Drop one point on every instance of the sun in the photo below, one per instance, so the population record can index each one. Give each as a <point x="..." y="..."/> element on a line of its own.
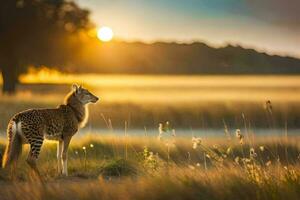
<point x="105" y="34"/>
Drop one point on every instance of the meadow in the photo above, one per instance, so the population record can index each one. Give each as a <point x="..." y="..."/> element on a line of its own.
<point x="153" y="137"/>
<point x="236" y="166"/>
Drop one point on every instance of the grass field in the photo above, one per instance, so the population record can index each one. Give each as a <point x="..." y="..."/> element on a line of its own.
<point x="238" y="164"/>
<point x="128" y="167"/>
<point x="194" y="115"/>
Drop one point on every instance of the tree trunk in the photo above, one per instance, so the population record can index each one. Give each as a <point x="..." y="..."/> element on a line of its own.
<point x="10" y="80"/>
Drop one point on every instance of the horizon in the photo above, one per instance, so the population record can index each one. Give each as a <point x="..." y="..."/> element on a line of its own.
<point x="270" y="53"/>
<point x="244" y="23"/>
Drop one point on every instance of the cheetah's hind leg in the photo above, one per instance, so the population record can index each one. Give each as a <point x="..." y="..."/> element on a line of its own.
<point x="35" y="147"/>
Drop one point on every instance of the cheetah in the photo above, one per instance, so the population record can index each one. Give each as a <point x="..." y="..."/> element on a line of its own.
<point x="33" y="126"/>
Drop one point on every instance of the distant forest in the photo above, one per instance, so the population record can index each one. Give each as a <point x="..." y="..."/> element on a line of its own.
<point x="174" y="58"/>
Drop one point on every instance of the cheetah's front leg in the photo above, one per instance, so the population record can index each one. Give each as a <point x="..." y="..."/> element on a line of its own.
<point x="66" y="143"/>
<point x="59" y="156"/>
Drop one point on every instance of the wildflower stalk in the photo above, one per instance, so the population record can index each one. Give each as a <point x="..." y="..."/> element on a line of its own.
<point x="242" y="148"/>
<point x="145" y="131"/>
<point x="240" y="137"/>
<point x="168" y="150"/>
<point x="85" y="160"/>
<point x="286" y="141"/>
<point x="126" y="153"/>
<point x="226" y="131"/>
<point x="205" y="165"/>
<point x="110" y="125"/>
<point x="189" y="157"/>
<point x="104" y="119"/>
<point x="165" y="130"/>
<point x="246" y="128"/>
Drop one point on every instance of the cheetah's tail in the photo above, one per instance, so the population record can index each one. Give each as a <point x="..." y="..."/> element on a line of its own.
<point x="14" y="146"/>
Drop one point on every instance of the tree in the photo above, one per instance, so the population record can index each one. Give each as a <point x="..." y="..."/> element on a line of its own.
<point x="37" y="32"/>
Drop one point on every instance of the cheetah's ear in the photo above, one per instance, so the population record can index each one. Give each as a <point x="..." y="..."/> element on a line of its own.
<point x="75" y="87"/>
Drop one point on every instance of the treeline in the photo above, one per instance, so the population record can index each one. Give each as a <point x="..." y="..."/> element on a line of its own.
<point x="174" y="58"/>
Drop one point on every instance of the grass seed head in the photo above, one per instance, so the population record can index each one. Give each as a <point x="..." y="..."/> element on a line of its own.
<point x="268" y="163"/>
<point x="238" y="134"/>
<point x="262" y="148"/>
<point x="160" y="129"/>
<point x="252" y="153"/>
<point x="237" y="160"/>
<point x="196" y="141"/>
<point x="229" y="150"/>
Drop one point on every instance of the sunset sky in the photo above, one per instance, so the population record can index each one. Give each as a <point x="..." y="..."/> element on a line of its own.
<point x="267" y="25"/>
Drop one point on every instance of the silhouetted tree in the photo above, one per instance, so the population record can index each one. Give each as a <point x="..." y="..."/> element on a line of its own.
<point x="37" y="32"/>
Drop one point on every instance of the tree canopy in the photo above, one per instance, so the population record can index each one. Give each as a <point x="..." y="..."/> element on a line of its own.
<point x="37" y="32"/>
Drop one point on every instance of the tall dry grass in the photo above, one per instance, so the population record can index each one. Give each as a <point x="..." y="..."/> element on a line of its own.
<point x="127" y="167"/>
<point x="239" y="165"/>
<point x="174" y="184"/>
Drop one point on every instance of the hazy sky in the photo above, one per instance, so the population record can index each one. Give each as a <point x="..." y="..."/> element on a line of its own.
<point x="267" y="25"/>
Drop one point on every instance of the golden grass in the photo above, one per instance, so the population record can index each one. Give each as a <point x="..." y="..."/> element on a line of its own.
<point x="186" y="115"/>
<point x="174" y="184"/>
<point x="132" y="167"/>
<point x="103" y="170"/>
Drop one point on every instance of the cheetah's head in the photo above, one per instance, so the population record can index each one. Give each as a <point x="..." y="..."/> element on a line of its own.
<point x="83" y="95"/>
